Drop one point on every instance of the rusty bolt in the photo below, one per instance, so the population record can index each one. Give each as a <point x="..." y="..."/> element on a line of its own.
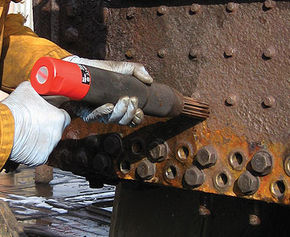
<point x="162" y="10"/>
<point x="195" y="8"/>
<point x="194" y="176"/>
<point x="113" y="144"/>
<point x="203" y="211"/>
<point x="71" y="34"/>
<point x="248" y="183"/>
<point x="262" y="163"/>
<point x="158" y="151"/>
<point x="229" y="51"/>
<point x="269" y="4"/>
<point x="287" y="165"/>
<point x="269" y="101"/>
<point x="145" y="169"/>
<point x="270" y="52"/>
<point x="232" y="6"/>
<point x="101" y="163"/>
<point x="231" y="99"/>
<point x="254" y="220"/>
<point x="161" y="53"/>
<point x="130" y="53"/>
<point x="130" y="13"/>
<point x="206" y="156"/>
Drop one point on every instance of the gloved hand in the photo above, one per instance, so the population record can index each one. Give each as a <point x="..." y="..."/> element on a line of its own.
<point x="126" y="111"/>
<point x="38" y="125"/>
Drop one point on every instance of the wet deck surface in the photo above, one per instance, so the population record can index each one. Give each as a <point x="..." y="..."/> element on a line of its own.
<point x="64" y="207"/>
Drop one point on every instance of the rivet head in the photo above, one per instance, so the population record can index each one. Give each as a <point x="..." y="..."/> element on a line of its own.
<point x="231" y="99"/>
<point x="71" y="34"/>
<point x="162" y="10"/>
<point x="232" y="6"/>
<point x="269" y="52"/>
<point x="194" y="176"/>
<point x="145" y="169"/>
<point x="269" y="101"/>
<point x="195" y="8"/>
<point x="248" y="183"/>
<point x="269" y="4"/>
<point x="130" y="13"/>
<point x="254" y="220"/>
<point x="287" y="166"/>
<point x="230" y="51"/>
<point x="130" y="53"/>
<point x="161" y="53"/>
<point x="262" y="162"/>
<point x="206" y="156"/>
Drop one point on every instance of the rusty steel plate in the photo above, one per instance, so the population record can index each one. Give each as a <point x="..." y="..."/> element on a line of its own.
<point x="234" y="56"/>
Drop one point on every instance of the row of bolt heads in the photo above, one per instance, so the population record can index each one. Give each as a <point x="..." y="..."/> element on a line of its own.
<point x="193" y="54"/>
<point x="248" y="182"/>
<point x="196" y="8"/>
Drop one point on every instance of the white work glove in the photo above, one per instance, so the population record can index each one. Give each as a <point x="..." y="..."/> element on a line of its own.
<point x="126" y="111"/>
<point x="38" y="125"/>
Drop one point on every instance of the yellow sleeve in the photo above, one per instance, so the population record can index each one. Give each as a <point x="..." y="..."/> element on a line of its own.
<point x="6" y="133"/>
<point x="21" y="49"/>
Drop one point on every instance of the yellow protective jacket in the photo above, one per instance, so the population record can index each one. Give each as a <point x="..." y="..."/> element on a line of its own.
<point x="20" y="48"/>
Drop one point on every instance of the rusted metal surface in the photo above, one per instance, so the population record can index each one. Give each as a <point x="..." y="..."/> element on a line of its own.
<point x="234" y="56"/>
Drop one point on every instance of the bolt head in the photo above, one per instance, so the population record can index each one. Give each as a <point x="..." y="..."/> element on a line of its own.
<point x="247" y="183"/>
<point x="287" y="165"/>
<point x="113" y="144"/>
<point x="269" y="101"/>
<point x="130" y="13"/>
<point x="231" y="99"/>
<point x="269" y="4"/>
<point x="230" y="51"/>
<point x="203" y="211"/>
<point x="206" y="156"/>
<point x="232" y="6"/>
<point x="262" y="163"/>
<point x="194" y="176"/>
<point x="145" y="169"/>
<point x="130" y="53"/>
<point x="101" y="163"/>
<point x="71" y="34"/>
<point x="161" y="53"/>
<point x="158" y="151"/>
<point x="162" y="10"/>
<point x="195" y="8"/>
<point x="254" y="220"/>
<point x="193" y="53"/>
<point x="270" y="52"/>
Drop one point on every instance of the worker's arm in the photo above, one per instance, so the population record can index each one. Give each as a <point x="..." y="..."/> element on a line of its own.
<point x="22" y="48"/>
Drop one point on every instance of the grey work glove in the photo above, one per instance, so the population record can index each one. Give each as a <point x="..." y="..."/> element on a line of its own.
<point x="126" y="111"/>
<point x="38" y="125"/>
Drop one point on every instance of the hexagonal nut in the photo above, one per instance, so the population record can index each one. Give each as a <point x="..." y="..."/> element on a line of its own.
<point x="262" y="163"/>
<point x="145" y="169"/>
<point x="206" y="156"/>
<point x="158" y="151"/>
<point x="248" y="183"/>
<point x="194" y="176"/>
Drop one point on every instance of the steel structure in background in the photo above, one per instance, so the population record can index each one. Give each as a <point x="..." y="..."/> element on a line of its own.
<point x="234" y="56"/>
